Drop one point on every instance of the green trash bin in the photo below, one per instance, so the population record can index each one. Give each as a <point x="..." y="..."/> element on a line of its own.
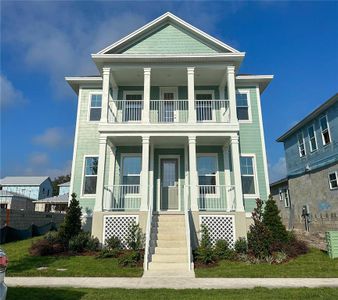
<point x="332" y="243"/>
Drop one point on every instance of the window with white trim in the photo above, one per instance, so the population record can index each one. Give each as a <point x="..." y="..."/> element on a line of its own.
<point x="248" y="175"/>
<point x="284" y="196"/>
<point x="301" y="144"/>
<point x="333" y="180"/>
<point x="90" y="175"/>
<point x="312" y="138"/>
<point x="133" y="106"/>
<point x="242" y="105"/>
<point x="95" y="107"/>
<point x="131" y="170"/>
<point x="207" y="173"/>
<point x="325" y="130"/>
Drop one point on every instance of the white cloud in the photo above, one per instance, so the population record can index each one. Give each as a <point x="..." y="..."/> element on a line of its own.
<point x="38" y="159"/>
<point x="9" y="95"/>
<point x="277" y="170"/>
<point x="53" y="137"/>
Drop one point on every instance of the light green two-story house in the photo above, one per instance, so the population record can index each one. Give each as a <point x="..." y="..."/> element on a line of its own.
<point x="169" y="136"/>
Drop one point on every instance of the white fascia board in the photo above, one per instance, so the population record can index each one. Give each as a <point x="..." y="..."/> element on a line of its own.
<point x="167" y="17"/>
<point x="75" y="82"/>
<point x="261" y="80"/>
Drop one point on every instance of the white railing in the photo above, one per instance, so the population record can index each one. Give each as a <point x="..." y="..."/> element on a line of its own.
<point x="187" y="227"/>
<point x="122" y="197"/>
<point x="216" y="197"/>
<point x="212" y="111"/>
<point x="121" y="111"/>
<point x="147" y="252"/>
<point x="168" y="111"/>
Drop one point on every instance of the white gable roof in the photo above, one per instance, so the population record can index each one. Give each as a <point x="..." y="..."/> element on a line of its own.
<point x="23" y="180"/>
<point x="166" y="18"/>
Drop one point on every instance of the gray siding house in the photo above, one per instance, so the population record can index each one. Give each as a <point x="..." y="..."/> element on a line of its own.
<point x="34" y="187"/>
<point x="311" y="153"/>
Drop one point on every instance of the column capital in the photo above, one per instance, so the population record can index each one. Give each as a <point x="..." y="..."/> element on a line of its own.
<point x="234" y="139"/>
<point x="145" y="139"/>
<point x="106" y="70"/>
<point x="147" y="71"/>
<point x="102" y="140"/>
<point x="190" y="70"/>
<point x="231" y="69"/>
<point x="192" y="139"/>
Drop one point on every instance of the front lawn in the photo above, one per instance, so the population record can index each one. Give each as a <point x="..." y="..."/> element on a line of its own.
<point x="147" y="294"/>
<point x="22" y="264"/>
<point x="313" y="264"/>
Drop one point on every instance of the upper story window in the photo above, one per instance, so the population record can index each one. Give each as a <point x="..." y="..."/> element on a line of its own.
<point x="333" y="180"/>
<point x="207" y="173"/>
<point x="248" y="175"/>
<point x="204" y="111"/>
<point x="90" y="175"/>
<point x="132" y="110"/>
<point x="301" y="144"/>
<point x="243" y="105"/>
<point x="312" y="138"/>
<point x="95" y="107"/>
<point x="324" y="126"/>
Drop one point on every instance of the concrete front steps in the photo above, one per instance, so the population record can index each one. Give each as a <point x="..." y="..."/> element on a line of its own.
<point x="168" y="246"/>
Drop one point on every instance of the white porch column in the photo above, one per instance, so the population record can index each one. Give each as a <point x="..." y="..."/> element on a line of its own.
<point x="230" y="194"/>
<point x="151" y="175"/>
<point x="100" y="173"/>
<point x="193" y="173"/>
<point x="146" y="95"/>
<point x="105" y="94"/>
<point x="236" y="166"/>
<point x="108" y="197"/>
<point x="232" y="93"/>
<point x="144" y="182"/>
<point x="191" y="95"/>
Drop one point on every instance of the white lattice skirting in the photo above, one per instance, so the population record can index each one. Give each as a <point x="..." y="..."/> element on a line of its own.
<point x="118" y="226"/>
<point x="220" y="228"/>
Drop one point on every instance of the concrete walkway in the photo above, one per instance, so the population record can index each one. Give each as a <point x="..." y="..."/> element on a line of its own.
<point x="170" y="282"/>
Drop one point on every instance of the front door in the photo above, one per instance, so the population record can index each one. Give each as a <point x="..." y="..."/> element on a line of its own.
<point x="169" y="184"/>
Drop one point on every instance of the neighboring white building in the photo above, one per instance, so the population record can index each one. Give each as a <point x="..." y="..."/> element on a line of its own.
<point x="64" y="188"/>
<point x="52" y="204"/>
<point x="34" y="187"/>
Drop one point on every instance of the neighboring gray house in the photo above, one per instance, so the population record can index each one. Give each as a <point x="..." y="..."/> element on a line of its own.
<point x="10" y="200"/>
<point x="64" y="188"/>
<point x="52" y="204"/>
<point x="311" y="153"/>
<point x="34" y="187"/>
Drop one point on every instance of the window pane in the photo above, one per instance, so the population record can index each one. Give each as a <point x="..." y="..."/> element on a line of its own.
<point x="91" y="166"/>
<point x="90" y="185"/>
<point x="131" y="179"/>
<point x="311" y="132"/>
<point x="96" y="101"/>
<point x="95" y="114"/>
<point x="246" y="165"/>
<point x="248" y="185"/>
<point x="206" y="165"/>
<point x="207" y="180"/>
<point x="203" y="97"/>
<point x="241" y="99"/>
<point x="134" y="97"/>
<point x="327" y="139"/>
<point x="131" y="165"/>
<point x="323" y="123"/>
<point x="242" y="113"/>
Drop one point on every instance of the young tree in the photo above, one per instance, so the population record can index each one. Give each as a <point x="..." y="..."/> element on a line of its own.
<point x="72" y="224"/>
<point x="273" y="221"/>
<point x="259" y="235"/>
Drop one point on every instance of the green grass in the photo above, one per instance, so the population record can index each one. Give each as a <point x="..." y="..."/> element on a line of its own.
<point x="165" y="294"/>
<point x="313" y="264"/>
<point x="22" y="264"/>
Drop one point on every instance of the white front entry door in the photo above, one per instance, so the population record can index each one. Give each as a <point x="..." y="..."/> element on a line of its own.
<point x="169" y="184"/>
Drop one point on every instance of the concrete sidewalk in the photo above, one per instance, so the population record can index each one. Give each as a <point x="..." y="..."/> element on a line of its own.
<point x="170" y="282"/>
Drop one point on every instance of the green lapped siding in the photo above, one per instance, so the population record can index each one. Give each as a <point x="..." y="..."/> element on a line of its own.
<point x="251" y="142"/>
<point x="169" y="40"/>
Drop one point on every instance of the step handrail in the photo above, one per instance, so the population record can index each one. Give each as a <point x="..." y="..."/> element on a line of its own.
<point x="148" y="232"/>
<point x="187" y="231"/>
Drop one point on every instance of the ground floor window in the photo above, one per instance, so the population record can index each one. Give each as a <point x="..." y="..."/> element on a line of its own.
<point x="248" y="175"/>
<point x="207" y="173"/>
<point x="90" y="175"/>
<point x="333" y="180"/>
<point x="284" y="195"/>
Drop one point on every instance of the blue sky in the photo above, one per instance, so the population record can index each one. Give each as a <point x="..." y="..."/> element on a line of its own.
<point x="41" y="42"/>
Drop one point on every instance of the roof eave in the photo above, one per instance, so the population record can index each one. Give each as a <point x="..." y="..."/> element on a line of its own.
<point x="261" y="80"/>
<point x="76" y="81"/>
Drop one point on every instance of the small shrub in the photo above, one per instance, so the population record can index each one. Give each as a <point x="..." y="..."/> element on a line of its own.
<point x="295" y="248"/>
<point x="106" y="253"/>
<point x="222" y="250"/>
<point x="83" y="242"/>
<point x="130" y="259"/>
<point x="204" y="253"/>
<point x="135" y="238"/>
<point x="279" y="257"/>
<point x="52" y="237"/>
<point x="113" y="243"/>
<point x="41" y="248"/>
<point x="241" y="246"/>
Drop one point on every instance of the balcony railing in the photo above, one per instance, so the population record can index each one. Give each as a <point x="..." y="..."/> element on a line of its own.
<point x="122" y="197"/>
<point x="212" y="111"/>
<point x="216" y="198"/>
<point x="168" y="111"/>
